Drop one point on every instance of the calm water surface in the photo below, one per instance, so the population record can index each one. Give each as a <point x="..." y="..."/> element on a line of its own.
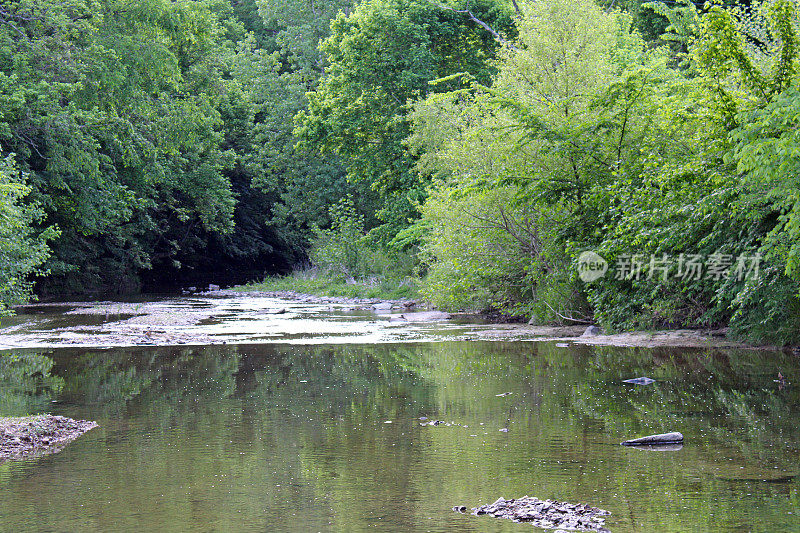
<point x="328" y="438"/>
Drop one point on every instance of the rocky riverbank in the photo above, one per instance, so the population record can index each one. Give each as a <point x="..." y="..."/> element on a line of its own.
<point x="237" y="317"/>
<point x="38" y="435"/>
<point x="354" y="303"/>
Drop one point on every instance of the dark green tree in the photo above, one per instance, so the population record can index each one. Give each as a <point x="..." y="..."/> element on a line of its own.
<point x="382" y="56"/>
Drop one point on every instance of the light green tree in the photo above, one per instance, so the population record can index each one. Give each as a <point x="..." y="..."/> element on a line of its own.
<point x="23" y="248"/>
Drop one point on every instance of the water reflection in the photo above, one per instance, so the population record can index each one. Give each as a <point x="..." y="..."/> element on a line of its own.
<point x="27" y="384"/>
<point x="328" y="438"/>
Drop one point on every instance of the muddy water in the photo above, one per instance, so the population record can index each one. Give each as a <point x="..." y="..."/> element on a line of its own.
<point x="329" y="438"/>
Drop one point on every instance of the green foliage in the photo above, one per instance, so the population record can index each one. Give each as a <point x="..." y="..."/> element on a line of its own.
<point x="767" y="152"/>
<point x="380" y="56"/>
<point x="346" y="253"/>
<point x="112" y="109"/>
<point x="590" y="140"/>
<point x="313" y="282"/>
<point x="693" y="201"/>
<point x="303" y="183"/>
<point x="488" y="251"/>
<point x="23" y="249"/>
<point x="191" y="134"/>
<point x="532" y="157"/>
<point x="341" y="250"/>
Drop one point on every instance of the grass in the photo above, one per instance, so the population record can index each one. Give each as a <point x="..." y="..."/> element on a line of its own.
<point x="311" y="282"/>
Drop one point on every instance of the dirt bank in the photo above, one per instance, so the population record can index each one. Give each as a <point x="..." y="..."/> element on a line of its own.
<point x="38" y="435"/>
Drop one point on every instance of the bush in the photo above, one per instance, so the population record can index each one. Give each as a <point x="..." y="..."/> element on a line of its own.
<point x="486" y="250"/>
<point x="345" y="251"/>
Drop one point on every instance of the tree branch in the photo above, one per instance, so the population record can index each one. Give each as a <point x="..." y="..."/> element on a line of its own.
<point x="479" y="22"/>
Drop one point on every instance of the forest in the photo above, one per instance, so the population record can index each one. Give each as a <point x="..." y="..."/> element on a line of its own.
<point x="634" y="165"/>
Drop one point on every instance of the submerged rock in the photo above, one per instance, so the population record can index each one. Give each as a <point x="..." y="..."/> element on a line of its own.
<point x="651" y="440"/>
<point x="440" y="423"/>
<point x="546" y="514"/>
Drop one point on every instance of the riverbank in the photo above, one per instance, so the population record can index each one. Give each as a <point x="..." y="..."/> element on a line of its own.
<point x="677" y="338"/>
<point x="238" y="317"/>
<point x="310" y="284"/>
<point x="38" y="435"/>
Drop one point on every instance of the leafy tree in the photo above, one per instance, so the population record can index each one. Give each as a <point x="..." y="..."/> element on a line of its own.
<point x="382" y="55"/>
<point x="23" y="249"/>
<point x="300" y="184"/>
<point x="111" y="107"/>
<point x="535" y="154"/>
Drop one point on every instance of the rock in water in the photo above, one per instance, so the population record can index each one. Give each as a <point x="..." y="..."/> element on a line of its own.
<point x="280" y="311"/>
<point x="640" y="381"/>
<point x="591" y="331"/>
<point x="546" y="514"/>
<point x="651" y="440"/>
<point x="38" y="435"/>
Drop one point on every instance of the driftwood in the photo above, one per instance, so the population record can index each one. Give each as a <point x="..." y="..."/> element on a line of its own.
<point x="653" y="440"/>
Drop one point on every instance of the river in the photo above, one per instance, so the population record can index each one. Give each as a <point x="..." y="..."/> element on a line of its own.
<point x="322" y="436"/>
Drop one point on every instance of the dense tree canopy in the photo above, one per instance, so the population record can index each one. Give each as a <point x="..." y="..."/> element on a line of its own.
<point x="483" y="145"/>
<point x="382" y="56"/>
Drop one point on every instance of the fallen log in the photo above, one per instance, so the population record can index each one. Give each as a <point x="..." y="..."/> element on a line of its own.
<point x="652" y="440"/>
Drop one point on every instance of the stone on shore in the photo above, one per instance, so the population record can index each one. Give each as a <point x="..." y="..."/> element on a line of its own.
<point x="279" y="311"/>
<point x="591" y="331"/>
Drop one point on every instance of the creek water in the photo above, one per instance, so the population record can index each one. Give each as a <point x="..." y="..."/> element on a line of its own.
<point x="279" y="437"/>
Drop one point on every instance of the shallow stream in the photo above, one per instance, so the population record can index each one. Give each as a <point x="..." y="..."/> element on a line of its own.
<point x="330" y="437"/>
